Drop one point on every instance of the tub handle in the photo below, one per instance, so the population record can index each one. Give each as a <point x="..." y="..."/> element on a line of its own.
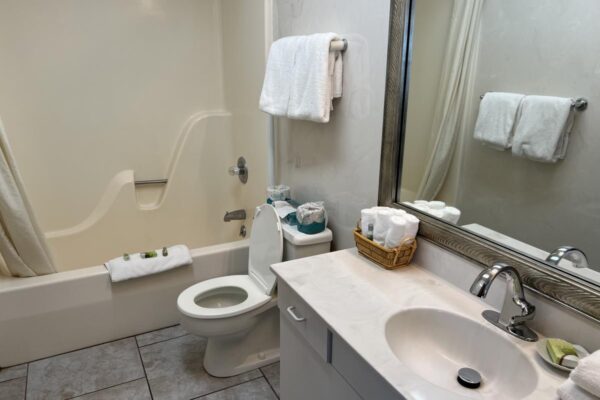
<point x="292" y="312"/>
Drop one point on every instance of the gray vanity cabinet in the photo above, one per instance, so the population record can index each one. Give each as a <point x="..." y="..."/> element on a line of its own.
<point x="316" y="363"/>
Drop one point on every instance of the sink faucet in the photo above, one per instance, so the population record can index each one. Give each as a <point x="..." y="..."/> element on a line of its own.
<point x="234" y="215"/>
<point x="570" y="253"/>
<point x="515" y="309"/>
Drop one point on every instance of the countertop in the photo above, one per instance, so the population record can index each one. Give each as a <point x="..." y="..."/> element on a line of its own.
<point x="355" y="297"/>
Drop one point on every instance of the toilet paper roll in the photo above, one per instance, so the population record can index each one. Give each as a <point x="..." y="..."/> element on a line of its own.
<point x="382" y="224"/>
<point x="396" y="232"/>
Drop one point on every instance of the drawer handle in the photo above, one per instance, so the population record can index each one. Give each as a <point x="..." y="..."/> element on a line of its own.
<point x="292" y="312"/>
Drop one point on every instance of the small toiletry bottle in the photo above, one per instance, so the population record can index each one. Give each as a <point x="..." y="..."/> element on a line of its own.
<point x="370" y="232"/>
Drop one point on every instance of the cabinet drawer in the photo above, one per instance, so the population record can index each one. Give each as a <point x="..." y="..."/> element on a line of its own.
<point x="303" y="319"/>
<point x="360" y="375"/>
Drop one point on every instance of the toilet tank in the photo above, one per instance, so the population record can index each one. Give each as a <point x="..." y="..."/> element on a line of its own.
<point x="297" y="244"/>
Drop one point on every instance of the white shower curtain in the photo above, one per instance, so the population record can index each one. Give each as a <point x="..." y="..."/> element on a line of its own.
<point x="22" y="244"/>
<point x="459" y="62"/>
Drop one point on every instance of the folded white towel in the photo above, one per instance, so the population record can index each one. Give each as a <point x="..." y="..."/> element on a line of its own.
<point x="367" y="217"/>
<point x="542" y="131"/>
<point x="587" y="373"/>
<point x="570" y="391"/>
<point x="396" y="232"/>
<point x="496" y="119"/>
<point x="275" y="94"/>
<point x="382" y="224"/>
<point x="121" y="270"/>
<point x="316" y="79"/>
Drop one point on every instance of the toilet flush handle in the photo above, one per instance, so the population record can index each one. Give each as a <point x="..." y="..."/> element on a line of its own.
<point x="292" y="312"/>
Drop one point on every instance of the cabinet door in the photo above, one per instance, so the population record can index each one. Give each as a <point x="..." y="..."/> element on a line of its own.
<point x="304" y="373"/>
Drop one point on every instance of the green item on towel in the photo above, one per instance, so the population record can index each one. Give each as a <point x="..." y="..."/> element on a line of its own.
<point x="558" y="349"/>
<point x="149" y="254"/>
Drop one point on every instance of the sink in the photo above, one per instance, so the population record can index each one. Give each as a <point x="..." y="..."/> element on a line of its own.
<point x="435" y="344"/>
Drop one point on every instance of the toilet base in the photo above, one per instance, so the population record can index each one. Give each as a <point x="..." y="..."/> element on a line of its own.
<point x="234" y="354"/>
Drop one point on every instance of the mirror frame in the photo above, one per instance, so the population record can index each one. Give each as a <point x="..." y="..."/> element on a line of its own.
<point x="558" y="286"/>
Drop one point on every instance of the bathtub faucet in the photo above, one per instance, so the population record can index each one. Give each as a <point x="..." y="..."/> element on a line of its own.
<point x="234" y="215"/>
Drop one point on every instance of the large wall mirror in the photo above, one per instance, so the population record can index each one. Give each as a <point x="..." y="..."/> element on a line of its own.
<point x="492" y="135"/>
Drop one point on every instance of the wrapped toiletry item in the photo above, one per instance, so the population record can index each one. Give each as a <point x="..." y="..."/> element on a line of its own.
<point x="382" y="224"/>
<point x="278" y="192"/>
<point x="312" y="217"/>
<point x="367" y="216"/>
<point x="396" y="232"/>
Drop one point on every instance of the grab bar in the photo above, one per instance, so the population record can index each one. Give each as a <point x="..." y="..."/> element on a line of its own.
<point x="151" y="182"/>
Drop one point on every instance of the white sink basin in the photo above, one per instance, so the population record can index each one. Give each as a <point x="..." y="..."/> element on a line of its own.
<point x="435" y="344"/>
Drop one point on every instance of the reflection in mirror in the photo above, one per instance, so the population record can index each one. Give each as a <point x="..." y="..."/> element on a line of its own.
<point x="499" y="134"/>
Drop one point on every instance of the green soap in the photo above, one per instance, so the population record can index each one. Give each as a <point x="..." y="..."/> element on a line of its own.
<point x="150" y="254"/>
<point x="558" y="348"/>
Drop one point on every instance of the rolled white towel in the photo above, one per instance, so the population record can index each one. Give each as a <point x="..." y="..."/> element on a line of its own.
<point x="412" y="226"/>
<point x="382" y="224"/>
<point x="451" y="214"/>
<point x="396" y="232"/>
<point x="367" y="216"/>
<point x="421" y="203"/>
<point x="436" y="205"/>
<point x="587" y="373"/>
<point x="570" y="391"/>
<point x="121" y="269"/>
<point x="436" y="213"/>
<point x="399" y="212"/>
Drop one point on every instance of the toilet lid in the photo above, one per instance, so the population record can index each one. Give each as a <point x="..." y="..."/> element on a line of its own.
<point x="266" y="247"/>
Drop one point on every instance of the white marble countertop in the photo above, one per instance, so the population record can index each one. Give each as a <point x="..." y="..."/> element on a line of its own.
<point x="355" y="298"/>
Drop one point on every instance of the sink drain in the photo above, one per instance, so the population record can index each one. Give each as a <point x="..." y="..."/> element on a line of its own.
<point x="469" y="378"/>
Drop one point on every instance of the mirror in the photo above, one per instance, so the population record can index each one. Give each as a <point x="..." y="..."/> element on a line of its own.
<point x="500" y="125"/>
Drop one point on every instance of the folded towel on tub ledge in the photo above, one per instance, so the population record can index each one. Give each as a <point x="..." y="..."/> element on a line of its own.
<point x="121" y="269"/>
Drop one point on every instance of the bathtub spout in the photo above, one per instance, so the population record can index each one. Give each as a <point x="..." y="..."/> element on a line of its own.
<point x="234" y="215"/>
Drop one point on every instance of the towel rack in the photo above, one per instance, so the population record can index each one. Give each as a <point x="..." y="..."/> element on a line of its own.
<point x="151" y="182"/>
<point x="338" y="45"/>
<point x="578" y="104"/>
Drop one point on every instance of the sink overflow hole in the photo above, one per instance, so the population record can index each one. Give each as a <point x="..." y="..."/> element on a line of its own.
<point x="469" y="378"/>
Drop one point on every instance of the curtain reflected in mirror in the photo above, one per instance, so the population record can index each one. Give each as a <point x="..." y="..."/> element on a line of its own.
<point x="499" y="134"/>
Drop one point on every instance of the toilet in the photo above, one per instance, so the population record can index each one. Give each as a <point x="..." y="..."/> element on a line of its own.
<point x="238" y="314"/>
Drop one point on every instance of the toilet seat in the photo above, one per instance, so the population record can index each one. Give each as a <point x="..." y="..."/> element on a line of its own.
<point x="256" y="297"/>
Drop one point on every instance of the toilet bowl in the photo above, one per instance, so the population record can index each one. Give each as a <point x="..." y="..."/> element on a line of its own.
<point x="238" y="314"/>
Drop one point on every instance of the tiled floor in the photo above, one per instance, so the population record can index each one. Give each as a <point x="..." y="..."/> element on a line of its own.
<point x="164" y="364"/>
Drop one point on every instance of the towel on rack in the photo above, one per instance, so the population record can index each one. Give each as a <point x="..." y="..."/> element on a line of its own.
<point x="542" y="131"/>
<point x="302" y="78"/>
<point x="121" y="269"/>
<point x="275" y="94"/>
<point x="496" y="119"/>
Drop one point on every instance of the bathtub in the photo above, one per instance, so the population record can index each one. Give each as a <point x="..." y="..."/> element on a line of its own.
<point x="53" y="314"/>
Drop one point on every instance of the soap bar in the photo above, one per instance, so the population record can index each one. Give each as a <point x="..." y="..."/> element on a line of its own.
<point x="558" y="349"/>
<point x="570" y="361"/>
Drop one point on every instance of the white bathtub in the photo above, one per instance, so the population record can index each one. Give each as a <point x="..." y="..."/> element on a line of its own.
<point x="53" y="314"/>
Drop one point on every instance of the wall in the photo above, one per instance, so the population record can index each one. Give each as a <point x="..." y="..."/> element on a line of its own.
<point x="338" y="162"/>
<point x="546" y="48"/>
<point x="90" y="88"/>
<point x="431" y="25"/>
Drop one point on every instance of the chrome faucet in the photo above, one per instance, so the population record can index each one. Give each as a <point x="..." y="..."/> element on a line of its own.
<point x="570" y="253"/>
<point x="515" y="309"/>
<point x="234" y="215"/>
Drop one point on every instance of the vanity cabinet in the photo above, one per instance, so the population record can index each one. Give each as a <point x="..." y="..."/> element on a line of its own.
<point x="316" y="363"/>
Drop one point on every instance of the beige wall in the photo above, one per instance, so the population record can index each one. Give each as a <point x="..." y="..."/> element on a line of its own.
<point x="95" y="93"/>
<point x="338" y="162"/>
<point x="546" y="48"/>
<point x="431" y="25"/>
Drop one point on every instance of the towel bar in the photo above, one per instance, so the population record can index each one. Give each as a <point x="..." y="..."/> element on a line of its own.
<point x="151" y="182"/>
<point x="578" y="104"/>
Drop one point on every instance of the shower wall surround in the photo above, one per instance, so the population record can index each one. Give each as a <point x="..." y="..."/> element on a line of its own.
<point x="338" y="162"/>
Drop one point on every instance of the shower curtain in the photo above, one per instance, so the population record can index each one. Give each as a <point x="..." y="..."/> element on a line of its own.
<point x="22" y="244"/>
<point x="448" y="119"/>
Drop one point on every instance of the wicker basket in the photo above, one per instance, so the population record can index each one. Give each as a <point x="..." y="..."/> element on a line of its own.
<point x="387" y="258"/>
